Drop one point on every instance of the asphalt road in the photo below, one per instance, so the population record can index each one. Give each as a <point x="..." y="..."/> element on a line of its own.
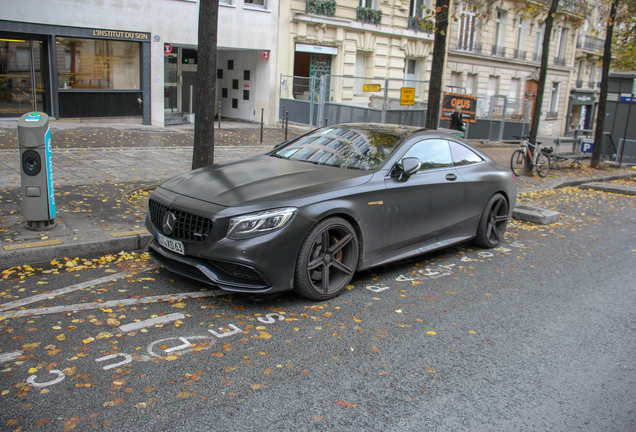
<point x="538" y="335"/>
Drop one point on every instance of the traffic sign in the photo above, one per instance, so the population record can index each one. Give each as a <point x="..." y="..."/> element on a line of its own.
<point x="167" y="48"/>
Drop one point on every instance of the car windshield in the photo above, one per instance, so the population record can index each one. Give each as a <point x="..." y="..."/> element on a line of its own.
<point x="345" y="147"/>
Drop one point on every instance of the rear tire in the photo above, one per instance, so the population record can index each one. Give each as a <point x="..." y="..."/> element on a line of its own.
<point x="543" y="165"/>
<point x="322" y="272"/>
<point x="518" y="162"/>
<point x="492" y="225"/>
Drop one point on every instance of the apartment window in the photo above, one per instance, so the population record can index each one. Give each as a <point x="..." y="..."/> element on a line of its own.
<point x="500" y="28"/>
<point x="471" y="84"/>
<point x="419" y="7"/>
<point x="553" y="107"/>
<point x="493" y="85"/>
<point x="538" y="43"/>
<point x="256" y="3"/>
<point x="373" y="4"/>
<point x="467" y="22"/>
<point x="561" y="46"/>
<point x="579" y="76"/>
<point x="412" y="75"/>
<point x="456" y="82"/>
<point x="522" y="33"/>
<point x="360" y="72"/>
<point x="592" y="75"/>
<point x="513" y="95"/>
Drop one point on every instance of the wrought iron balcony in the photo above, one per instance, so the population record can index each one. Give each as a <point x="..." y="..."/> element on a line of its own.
<point x="593" y="84"/>
<point x="520" y="54"/>
<point x="475" y="47"/>
<point x="421" y="24"/>
<point x="321" y="7"/>
<point x="579" y="83"/>
<point x="559" y="61"/>
<point x="368" y="15"/>
<point x="552" y="114"/>
<point x="536" y="57"/>
<point x="590" y="43"/>
<point x="498" y="51"/>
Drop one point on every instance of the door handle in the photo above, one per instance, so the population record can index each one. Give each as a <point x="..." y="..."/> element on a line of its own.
<point x="451" y="177"/>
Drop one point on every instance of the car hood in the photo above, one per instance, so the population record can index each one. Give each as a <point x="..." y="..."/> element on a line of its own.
<point x="262" y="179"/>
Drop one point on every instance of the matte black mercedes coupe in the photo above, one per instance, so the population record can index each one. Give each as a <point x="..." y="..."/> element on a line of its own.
<point x="310" y="213"/>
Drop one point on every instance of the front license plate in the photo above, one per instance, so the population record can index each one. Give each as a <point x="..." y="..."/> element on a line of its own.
<point x="173" y="245"/>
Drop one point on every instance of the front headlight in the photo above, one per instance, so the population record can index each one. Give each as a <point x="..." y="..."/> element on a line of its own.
<point x="255" y="224"/>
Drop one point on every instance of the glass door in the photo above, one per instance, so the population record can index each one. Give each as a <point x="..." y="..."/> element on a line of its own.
<point x="22" y="83"/>
<point x="170" y="80"/>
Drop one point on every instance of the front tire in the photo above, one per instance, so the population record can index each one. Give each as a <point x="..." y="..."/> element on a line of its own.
<point x="518" y="162"/>
<point x="327" y="261"/>
<point x="492" y="225"/>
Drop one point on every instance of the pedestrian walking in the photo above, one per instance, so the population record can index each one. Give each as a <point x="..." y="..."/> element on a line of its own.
<point x="457" y="122"/>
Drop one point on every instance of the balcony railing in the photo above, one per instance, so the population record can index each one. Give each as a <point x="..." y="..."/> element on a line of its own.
<point x="590" y="43"/>
<point x="520" y="54"/>
<point x="552" y="114"/>
<point x="368" y="15"/>
<point x="536" y="57"/>
<point x="579" y="83"/>
<point x="421" y="24"/>
<point x="321" y="7"/>
<point x="559" y="61"/>
<point x="475" y="47"/>
<point x="594" y="84"/>
<point x="499" y="51"/>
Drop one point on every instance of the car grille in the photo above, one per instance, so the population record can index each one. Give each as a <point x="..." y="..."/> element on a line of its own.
<point x="189" y="227"/>
<point x="237" y="270"/>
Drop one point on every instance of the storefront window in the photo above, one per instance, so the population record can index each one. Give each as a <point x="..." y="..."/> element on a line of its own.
<point x="97" y="64"/>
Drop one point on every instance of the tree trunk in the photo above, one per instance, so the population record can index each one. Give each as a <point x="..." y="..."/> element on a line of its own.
<point x="538" y="104"/>
<point x="203" y="152"/>
<point x="600" y="117"/>
<point x="436" y="81"/>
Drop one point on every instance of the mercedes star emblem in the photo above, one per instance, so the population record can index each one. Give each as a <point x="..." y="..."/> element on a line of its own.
<point x="168" y="222"/>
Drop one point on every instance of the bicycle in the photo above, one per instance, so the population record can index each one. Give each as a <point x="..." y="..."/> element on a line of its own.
<point x="541" y="159"/>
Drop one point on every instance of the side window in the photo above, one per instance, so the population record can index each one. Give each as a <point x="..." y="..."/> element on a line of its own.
<point x="433" y="153"/>
<point x="463" y="155"/>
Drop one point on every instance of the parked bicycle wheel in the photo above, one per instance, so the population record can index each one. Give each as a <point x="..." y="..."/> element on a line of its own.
<point x="518" y="162"/>
<point x="542" y="165"/>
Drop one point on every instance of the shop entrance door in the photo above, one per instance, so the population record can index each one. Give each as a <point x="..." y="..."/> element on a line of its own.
<point x="22" y="80"/>
<point x="171" y="81"/>
<point x="320" y="64"/>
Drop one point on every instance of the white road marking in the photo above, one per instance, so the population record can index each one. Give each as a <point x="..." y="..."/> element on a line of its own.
<point x="222" y="334"/>
<point x="376" y="289"/>
<point x="7" y="357"/>
<point x="61" y="291"/>
<point x="112" y="303"/>
<point x="203" y="339"/>
<point x="186" y="344"/>
<point x="151" y="322"/>
<point x="269" y="318"/>
<point x="127" y="359"/>
<point x="60" y="377"/>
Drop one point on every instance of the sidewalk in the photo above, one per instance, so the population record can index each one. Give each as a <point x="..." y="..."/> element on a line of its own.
<point x="102" y="174"/>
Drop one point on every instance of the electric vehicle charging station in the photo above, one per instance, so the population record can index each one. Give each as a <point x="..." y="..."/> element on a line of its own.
<point x="36" y="170"/>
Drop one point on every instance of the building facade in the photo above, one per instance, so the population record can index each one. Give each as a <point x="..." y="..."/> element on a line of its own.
<point x="107" y="58"/>
<point x="361" y="44"/>
<point x="495" y="53"/>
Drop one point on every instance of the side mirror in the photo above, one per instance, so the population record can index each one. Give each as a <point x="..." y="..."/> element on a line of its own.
<point x="410" y="166"/>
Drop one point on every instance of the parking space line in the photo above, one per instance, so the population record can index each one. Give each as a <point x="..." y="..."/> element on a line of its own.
<point x="61" y="291"/>
<point x="113" y="303"/>
<point x="151" y="322"/>
<point x="9" y="356"/>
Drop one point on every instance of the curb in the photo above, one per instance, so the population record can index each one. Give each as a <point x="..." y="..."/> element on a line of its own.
<point x="40" y="255"/>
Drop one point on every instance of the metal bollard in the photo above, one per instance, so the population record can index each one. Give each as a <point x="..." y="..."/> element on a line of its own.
<point x="262" y="109"/>
<point x="286" y="123"/>
<point x="219" y="115"/>
<point x="326" y="122"/>
<point x="282" y="122"/>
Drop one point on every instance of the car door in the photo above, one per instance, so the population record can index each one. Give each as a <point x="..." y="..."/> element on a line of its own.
<point x="428" y="204"/>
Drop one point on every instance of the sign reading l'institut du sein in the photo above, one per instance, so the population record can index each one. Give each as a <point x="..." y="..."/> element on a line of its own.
<point x="124" y="35"/>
